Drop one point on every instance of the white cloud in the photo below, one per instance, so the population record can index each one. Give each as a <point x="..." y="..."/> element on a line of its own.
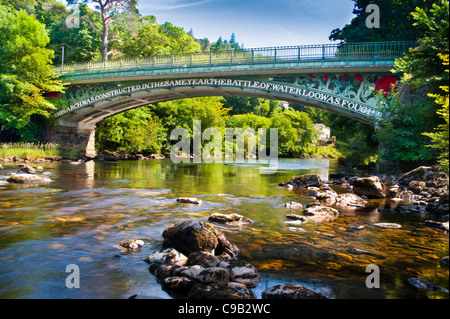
<point x="171" y="4"/>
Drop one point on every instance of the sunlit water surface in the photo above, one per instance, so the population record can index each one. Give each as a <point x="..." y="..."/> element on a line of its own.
<point x="89" y="208"/>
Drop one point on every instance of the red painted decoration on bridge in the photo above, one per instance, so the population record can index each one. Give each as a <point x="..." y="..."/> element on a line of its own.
<point x="359" y="77"/>
<point x="325" y="77"/>
<point x="52" y="94"/>
<point x="386" y="84"/>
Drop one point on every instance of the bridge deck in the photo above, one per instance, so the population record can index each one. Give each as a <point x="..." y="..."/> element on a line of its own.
<point x="307" y="57"/>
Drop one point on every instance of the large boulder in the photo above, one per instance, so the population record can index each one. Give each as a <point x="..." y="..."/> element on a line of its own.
<point x="421" y="173"/>
<point x="291" y="291"/>
<point x="372" y="187"/>
<point x="190" y="236"/>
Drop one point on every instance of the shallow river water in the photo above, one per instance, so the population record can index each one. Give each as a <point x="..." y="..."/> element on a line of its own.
<point x="89" y="208"/>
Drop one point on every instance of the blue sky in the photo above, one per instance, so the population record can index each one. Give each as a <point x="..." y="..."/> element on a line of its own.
<point x="256" y="23"/>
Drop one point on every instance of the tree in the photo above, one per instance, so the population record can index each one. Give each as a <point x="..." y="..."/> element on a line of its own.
<point x="25" y="72"/>
<point x="108" y="10"/>
<point x="152" y="38"/>
<point x="440" y="137"/>
<point x="80" y="44"/>
<point x="396" y="22"/>
<point x="423" y="75"/>
<point x="134" y="131"/>
<point x="422" y="66"/>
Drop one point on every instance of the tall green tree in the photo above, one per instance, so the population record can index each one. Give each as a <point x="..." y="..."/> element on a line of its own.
<point x="152" y="38"/>
<point x="108" y="10"/>
<point x="396" y="22"/>
<point x="25" y="72"/>
<point x="423" y="73"/>
<point x="440" y="137"/>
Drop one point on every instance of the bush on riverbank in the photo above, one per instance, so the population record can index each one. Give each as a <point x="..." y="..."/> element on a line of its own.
<point x="29" y="151"/>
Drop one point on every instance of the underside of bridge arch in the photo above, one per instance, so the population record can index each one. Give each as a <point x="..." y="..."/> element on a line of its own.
<point x="88" y="116"/>
<point x="76" y="125"/>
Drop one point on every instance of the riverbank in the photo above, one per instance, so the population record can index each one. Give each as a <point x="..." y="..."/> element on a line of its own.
<point x="22" y="151"/>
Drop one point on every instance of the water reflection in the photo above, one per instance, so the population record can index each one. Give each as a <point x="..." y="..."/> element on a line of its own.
<point x="90" y="207"/>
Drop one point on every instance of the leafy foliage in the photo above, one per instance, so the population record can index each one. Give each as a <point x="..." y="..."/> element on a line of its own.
<point x="424" y="73"/>
<point x="396" y="22"/>
<point x="440" y="137"/>
<point x="25" y="71"/>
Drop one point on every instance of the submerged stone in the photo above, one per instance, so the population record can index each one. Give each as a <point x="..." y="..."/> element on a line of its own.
<point x="290" y="291"/>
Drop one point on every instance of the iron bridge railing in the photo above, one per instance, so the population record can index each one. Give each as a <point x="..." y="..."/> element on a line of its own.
<point x="371" y="53"/>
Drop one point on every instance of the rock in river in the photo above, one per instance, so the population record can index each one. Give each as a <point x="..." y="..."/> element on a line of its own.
<point x="214" y="291"/>
<point x="202" y="258"/>
<point x="350" y="199"/>
<point x="230" y="219"/>
<point x="295" y="217"/>
<point x="241" y="272"/>
<point x="445" y="260"/>
<point x="132" y="244"/>
<point x="387" y="225"/>
<point x="189" y="200"/>
<point x="372" y="187"/>
<point x="290" y="291"/>
<point x="167" y="256"/>
<point x="422" y="173"/>
<point x="304" y="181"/>
<point x="293" y="205"/>
<point x="440" y="225"/>
<point x="190" y="236"/>
<point x="320" y="211"/>
<point x="24" y="168"/>
<point x="425" y="284"/>
<point x="28" y="179"/>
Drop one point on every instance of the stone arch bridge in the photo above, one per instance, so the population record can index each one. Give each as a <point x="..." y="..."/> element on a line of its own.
<point x="341" y="78"/>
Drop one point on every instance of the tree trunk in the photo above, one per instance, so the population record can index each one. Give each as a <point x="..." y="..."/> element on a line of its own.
<point x="104" y="34"/>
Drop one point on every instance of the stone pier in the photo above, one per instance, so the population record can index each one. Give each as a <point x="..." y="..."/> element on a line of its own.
<point x="74" y="141"/>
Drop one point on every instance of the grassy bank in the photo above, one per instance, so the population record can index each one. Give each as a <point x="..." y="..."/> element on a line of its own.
<point x="29" y="151"/>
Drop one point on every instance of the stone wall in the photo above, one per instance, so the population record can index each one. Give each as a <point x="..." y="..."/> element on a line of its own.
<point x="74" y="142"/>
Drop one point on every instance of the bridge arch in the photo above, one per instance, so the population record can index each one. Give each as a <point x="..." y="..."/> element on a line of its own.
<point x="91" y="103"/>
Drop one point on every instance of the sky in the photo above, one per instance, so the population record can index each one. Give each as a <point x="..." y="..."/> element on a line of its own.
<point x="255" y="23"/>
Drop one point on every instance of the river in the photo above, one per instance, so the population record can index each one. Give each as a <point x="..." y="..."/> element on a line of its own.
<point x="89" y="208"/>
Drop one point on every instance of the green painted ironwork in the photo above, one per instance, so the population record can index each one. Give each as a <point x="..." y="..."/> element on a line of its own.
<point x="331" y="55"/>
